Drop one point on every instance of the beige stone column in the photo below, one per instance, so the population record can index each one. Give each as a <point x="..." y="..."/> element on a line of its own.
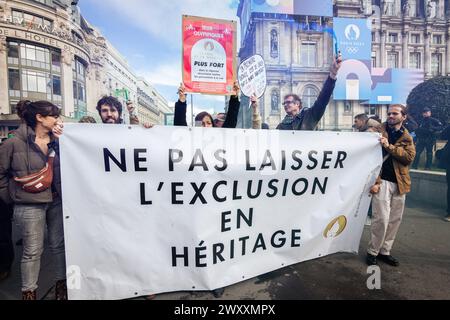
<point x="405" y="53"/>
<point x="4" y="97"/>
<point x="383" y="49"/>
<point x="447" y="60"/>
<point x="427" y="58"/>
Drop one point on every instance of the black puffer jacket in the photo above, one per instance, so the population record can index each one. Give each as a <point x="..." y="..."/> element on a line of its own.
<point x="21" y="156"/>
<point x="230" y="120"/>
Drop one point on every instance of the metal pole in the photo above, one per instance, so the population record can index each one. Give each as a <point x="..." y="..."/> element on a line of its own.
<point x="192" y="110"/>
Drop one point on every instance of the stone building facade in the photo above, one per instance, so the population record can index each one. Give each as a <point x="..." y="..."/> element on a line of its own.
<point x="405" y="34"/>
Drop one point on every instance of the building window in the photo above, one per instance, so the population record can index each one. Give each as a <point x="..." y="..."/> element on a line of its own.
<point x="57" y="85"/>
<point x="347" y="107"/>
<point x="437" y="39"/>
<point x="275" y="101"/>
<point x="393" y="37"/>
<point x="77" y="38"/>
<point x="14" y="79"/>
<point x="30" y="74"/>
<point x="389" y="8"/>
<point x="274" y="43"/>
<point x="374" y="60"/>
<point x="14" y="83"/>
<point x="392" y="60"/>
<point x="34" y="56"/>
<point x="34" y="81"/>
<point x="13" y="53"/>
<point x="29" y="20"/>
<point x="46" y="2"/>
<point x="79" y="87"/>
<point x="308" y="55"/>
<point x="436" y="64"/>
<point x="415" y="38"/>
<point x="370" y="110"/>
<point x="56" y="61"/>
<point x="414" y="60"/>
<point x="373" y="37"/>
<point x="309" y="96"/>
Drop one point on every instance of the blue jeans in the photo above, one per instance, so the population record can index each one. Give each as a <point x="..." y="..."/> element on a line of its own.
<point x="32" y="219"/>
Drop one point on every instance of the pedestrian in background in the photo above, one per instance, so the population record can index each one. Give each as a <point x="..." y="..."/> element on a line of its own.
<point x="444" y="159"/>
<point x="426" y="137"/>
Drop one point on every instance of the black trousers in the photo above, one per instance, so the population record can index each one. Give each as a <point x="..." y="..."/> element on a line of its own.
<point x="420" y="146"/>
<point x="6" y="243"/>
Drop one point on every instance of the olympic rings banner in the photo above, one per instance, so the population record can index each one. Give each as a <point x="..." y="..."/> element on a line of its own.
<point x="354" y="38"/>
<point x="209" y="55"/>
<point x="168" y="209"/>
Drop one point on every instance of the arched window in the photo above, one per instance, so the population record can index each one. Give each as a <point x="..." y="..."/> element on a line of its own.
<point x="275" y="100"/>
<point x="274" y="43"/>
<point x="390" y="7"/>
<point x="309" y="96"/>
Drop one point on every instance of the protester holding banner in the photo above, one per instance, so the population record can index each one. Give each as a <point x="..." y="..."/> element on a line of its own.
<point x="389" y="192"/>
<point x="205" y="118"/>
<point x="110" y="111"/>
<point x="298" y="118"/>
<point x="219" y="120"/>
<point x="36" y="197"/>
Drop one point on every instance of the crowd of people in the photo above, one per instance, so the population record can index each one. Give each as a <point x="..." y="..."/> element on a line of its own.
<point x="35" y="204"/>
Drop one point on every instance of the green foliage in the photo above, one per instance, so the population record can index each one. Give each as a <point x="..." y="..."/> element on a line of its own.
<point x="434" y="94"/>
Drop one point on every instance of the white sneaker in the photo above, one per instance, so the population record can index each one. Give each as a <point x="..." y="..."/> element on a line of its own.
<point x="368" y="221"/>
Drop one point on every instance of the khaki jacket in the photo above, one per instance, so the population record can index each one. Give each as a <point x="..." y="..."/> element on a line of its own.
<point x="403" y="153"/>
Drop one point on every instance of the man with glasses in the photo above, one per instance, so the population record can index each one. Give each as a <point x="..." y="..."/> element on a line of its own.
<point x="391" y="187"/>
<point x="297" y="117"/>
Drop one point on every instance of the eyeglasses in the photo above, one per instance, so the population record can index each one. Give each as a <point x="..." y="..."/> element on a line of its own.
<point x="393" y="113"/>
<point x="288" y="102"/>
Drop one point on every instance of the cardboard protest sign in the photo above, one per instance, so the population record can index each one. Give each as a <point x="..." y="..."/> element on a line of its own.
<point x="209" y="55"/>
<point x="252" y="76"/>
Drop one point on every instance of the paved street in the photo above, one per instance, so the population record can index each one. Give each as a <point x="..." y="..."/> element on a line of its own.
<point x="422" y="246"/>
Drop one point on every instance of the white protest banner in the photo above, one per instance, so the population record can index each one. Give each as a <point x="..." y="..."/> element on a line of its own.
<point x="252" y="76"/>
<point x="170" y="209"/>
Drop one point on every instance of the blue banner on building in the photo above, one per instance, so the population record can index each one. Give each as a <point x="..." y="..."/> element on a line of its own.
<point x="393" y="86"/>
<point x="354" y="38"/>
<point x="354" y="41"/>
<point x="297" y="7"/>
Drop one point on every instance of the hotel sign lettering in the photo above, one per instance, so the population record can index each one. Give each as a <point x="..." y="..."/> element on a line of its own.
<point x="31" y="36"/>
<point x="51" y="30"/>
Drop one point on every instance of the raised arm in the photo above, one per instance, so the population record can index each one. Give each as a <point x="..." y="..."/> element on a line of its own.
<point x="233" y="109"/>
<point x="318" y="109"/>
<point x="180" y="108"/>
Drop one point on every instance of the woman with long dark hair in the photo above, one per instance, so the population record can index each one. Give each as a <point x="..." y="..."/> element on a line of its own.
<point x="36" y="197"/>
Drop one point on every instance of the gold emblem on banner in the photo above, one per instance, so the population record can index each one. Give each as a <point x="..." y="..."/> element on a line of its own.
<point x="335" y="227"/>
